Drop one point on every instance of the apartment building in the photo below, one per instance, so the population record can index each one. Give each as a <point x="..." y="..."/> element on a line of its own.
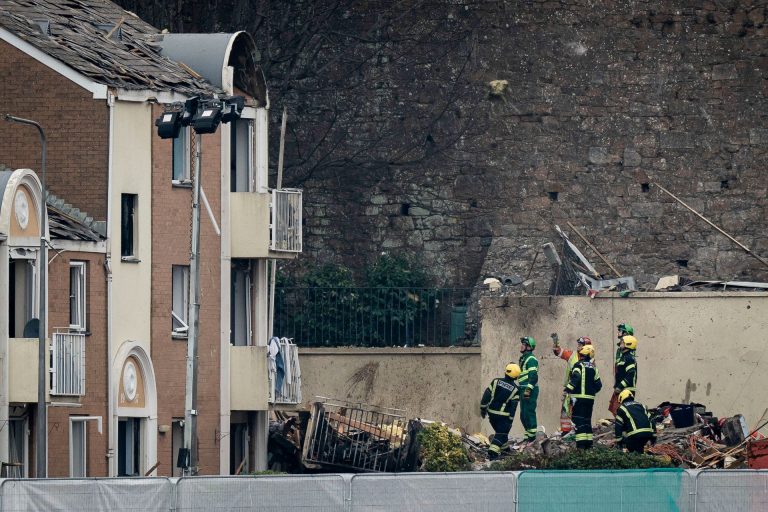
<point x="97" y="79"/>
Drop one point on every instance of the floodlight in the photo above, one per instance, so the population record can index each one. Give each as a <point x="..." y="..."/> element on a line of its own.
<point x="233" y="109"/>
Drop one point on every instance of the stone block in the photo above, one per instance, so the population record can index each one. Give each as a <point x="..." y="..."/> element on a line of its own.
<point x="599" y="156"/>
<point x="631" y="158"/>
<point x="677" y="140"/>
<point x="417" y="211"/>
<point x="758" y="136"/>
<point x="725" y="71"/>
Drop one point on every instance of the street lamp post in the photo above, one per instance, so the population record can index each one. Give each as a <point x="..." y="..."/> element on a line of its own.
<point x="41" y="450"/>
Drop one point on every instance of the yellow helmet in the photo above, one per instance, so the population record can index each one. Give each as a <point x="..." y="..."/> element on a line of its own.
<point x="630" y="342"/>
<point x="624" y="395"/>
<point x="512" y="370"/>
<point x="588" y="351"/>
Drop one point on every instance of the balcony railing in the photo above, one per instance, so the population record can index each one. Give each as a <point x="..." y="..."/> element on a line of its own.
<point x="68" y="363"/>
<point x="284" y="373"/>
<point x="285" y="226"/>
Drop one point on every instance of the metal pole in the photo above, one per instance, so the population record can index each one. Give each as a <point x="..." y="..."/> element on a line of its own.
<point x="190" y="401"/>
<point x="41" y="428"/>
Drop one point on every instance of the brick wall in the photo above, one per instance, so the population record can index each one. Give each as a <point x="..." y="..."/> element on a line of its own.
<point x="76" y="128"/>
<point x="94" y="403"/>
<point x="171" y="245"/>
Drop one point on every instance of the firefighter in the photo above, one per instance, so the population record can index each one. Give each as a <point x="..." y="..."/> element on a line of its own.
<point x="499" y="403"/>
<point x="571" y="357"/>
<point x="529" y="384"/>
<point x="633" y="424"/>
<point x="583" y="385"/>
<point x="625" y="365"/>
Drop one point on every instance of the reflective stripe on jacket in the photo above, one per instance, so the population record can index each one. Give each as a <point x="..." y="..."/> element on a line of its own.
<point x="631" y="419"/>
<point x="585" y="381"/>
<point x="529" y="375"/>
<point x="501" y="397"/>
<point x="626" y="371"/>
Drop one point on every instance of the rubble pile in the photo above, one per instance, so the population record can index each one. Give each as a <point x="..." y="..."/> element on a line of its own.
<point x="337" y="436"/>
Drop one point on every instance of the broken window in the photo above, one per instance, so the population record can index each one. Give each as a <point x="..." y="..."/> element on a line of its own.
<point x="181" y="161"/>
<point x="77" y="295"/>
<point x="180" y="300"/>
<point x="240" y="317"/>
<point x="241" y="156"/>
<point x="129" y="447"/>
<point x="128" y="226"/>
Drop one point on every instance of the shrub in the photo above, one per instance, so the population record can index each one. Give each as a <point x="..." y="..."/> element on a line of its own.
<point x="596" y="458"/>
<point x="441" y="450"/>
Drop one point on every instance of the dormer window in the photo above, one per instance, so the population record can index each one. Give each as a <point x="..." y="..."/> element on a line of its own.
<point x="111" y="30"/>
<point x="44" y="26"/>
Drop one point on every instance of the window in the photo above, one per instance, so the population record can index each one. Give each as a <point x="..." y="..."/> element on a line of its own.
<point x="177" y="443"/>
<point x="180" y="306"/>
<point x="129" y="226"/>
<point x="18" y="448"/>
<point x="181" y="156"/>
<point x="241" y="156"/>
<point x="77" y="454"/>
<point x="77" y="295"/>
<point x="239" y="449"/>
<point x="78" y="444"/>
<point x="240" y="316"/>
<point x="129" y="447"/>
<point x="22" y="308"/>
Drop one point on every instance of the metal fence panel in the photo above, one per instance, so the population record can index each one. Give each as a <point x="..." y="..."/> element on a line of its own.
<point x="657" y="490"/>
<point x="323" y="493"/>
<point x="723" y="490"/>
<point x="438" y="492"/>
<point x="86" y="495"/>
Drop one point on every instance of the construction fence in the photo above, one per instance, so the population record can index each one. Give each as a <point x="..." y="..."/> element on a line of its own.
<point x="658" y="490"/>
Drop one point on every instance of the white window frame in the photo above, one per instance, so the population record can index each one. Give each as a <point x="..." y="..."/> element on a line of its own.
<point x="247" y="272"/>
<point x="180" y="291"/>
<point x="134" y="256"/>
<point x="185" y="139"/>
<point x="83" y="420"/>
<point x="81" y="268"/>
<point x="243" y="153"/>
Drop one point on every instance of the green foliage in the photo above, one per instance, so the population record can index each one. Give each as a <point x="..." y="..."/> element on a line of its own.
<point x="441" y="450"/>
<point x="597" y="458"/>
<point x="329" y="276"/>
<point x="395" y="272"/>
<point x="607" y="458"/>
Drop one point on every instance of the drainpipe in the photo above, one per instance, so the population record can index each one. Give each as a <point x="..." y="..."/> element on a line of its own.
<point x="111" y="409"/>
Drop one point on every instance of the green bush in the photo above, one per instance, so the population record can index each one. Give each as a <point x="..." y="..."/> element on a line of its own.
<point x="596" y="458"/>
<point x="441" y="451"/>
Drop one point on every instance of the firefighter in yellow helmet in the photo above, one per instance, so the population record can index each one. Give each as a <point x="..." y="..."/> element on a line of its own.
<point x="499" y="403"/>
<point x="583" y="384"/>
<point x="633" y="426"/>
<point x="625" y="365"/>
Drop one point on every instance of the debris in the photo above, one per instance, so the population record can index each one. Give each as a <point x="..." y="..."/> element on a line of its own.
<point x="498" y="87"/>
<point x="492" y="283"/>
<point x="667" y="282"/>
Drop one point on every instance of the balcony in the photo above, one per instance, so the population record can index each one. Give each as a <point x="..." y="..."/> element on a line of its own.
<point x="285" y="385"/>
<point x="22" y="370"/>
<point x="68" y="363"/>
<point x="248" y="378"/>
<point x="266" y="225"/>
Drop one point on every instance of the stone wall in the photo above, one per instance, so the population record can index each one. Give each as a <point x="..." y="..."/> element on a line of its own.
<point x="401" y="147"/>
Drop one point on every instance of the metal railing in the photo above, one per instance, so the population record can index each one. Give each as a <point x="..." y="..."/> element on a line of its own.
<point x="285" y="225"/>
<point x="285" y="388"/>
<point x="356" y="436"/>
<point x="376" y="317"/>
<point x="68" y="363"/>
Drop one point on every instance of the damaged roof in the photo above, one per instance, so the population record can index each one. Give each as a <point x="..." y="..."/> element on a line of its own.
<point x="66" y="222"/>
<point x="102" y="41"/>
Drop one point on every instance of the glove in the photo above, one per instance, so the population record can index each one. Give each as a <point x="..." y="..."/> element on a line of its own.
<point x="483" y="413"/>
<point x="616" y="390"/>
<point x="527" y="393"/>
